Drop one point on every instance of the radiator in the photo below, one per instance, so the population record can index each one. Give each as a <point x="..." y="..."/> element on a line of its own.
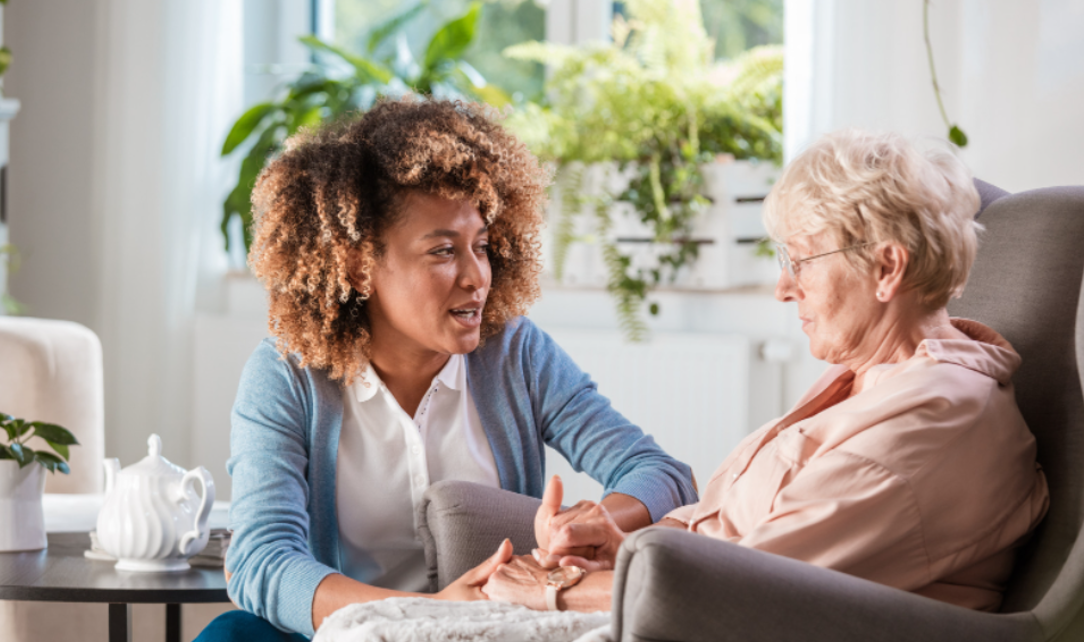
<point x="689" y="391"/>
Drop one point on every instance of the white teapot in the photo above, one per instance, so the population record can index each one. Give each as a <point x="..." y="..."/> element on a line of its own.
<point x="153" y="519"/>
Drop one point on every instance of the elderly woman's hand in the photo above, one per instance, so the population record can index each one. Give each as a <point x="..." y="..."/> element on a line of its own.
<point x="520" y="581"/>
<point x="584" y="535"/>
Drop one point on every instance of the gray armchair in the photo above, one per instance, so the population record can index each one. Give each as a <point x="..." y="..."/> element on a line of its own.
<point x="673" y="585"/>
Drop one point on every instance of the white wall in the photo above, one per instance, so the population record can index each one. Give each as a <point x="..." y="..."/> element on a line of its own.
<point x="112" y="190"/>
<point x="55" y="45"/>
<point x="1011" y="72"/>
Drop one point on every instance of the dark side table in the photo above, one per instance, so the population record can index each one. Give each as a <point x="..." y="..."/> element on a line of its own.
<point x="60" y="573"/>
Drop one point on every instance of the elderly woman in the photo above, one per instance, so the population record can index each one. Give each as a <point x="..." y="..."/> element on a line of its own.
<point x="907" y="463"/>
<point x="399" y="251"/>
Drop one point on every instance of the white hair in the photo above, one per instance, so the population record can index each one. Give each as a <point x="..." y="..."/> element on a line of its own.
<point x="864" y="187"/>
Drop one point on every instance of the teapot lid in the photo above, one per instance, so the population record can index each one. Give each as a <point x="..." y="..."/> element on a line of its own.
<point x="154" y="464"/>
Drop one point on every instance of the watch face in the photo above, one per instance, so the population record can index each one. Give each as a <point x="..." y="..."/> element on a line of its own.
<point x="565" y="576"/>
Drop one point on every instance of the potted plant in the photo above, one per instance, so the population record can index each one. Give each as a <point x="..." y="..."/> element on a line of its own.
<point x="22" y="479"/>
<point x="343" y="81"/>
<point x="631" y="124"/>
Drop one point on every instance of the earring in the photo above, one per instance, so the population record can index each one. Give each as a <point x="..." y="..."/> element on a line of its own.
<point x="880" y="295"/>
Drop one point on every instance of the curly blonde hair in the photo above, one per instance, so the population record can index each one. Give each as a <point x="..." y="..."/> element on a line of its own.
<point x="333" y="192"/>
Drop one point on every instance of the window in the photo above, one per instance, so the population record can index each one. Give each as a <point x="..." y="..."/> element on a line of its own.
<point x="737" y="25"/>
<point x="502" y="23"/>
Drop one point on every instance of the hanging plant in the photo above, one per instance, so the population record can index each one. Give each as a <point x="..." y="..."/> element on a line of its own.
<point x="651" y="104"/>
<point x="955" y="134"/>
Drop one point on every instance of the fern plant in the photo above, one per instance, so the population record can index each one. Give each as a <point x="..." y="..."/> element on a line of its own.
<point x="649" y="102"/>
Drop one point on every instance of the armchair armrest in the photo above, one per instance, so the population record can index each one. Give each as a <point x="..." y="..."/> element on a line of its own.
<point x="674" y="585"/>
<point x="461" y="524"/>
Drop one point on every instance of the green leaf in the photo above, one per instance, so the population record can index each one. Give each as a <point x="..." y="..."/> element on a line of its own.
<point x="471" y="82"/>
<point x="60" y="449"/>
<point x="366" y="70"/>
<point x="52" y="463"/>
<point x="5" y="59"/>
<point x="21" y="427"/>
<point x="9" y="428"/>
<point x="493" y="95"/>
<point x="452" y="39"/>
<point x="22" y="454"/>
<point x="304" y="90"/>
<point x="239" y="201"/>
<point x="381" y="32"/>
<point x="5" y="453"/>
<point x="48" y="465"/>
<point x="54" y="433"/>
<point x="245" y="125"/>
<point x="305" y="118"/>
<point x="957" y="136"/>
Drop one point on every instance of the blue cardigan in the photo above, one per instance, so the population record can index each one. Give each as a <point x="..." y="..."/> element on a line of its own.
<point x="285" y="435"/>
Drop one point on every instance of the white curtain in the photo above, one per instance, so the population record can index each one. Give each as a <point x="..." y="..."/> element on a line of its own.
<point x="173" y="85"/>
<point x="204" y="92"/>
<point x="1011" y="75"/>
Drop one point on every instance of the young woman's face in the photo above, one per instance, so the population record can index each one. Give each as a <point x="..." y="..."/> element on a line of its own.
<point x="430" y="285"/>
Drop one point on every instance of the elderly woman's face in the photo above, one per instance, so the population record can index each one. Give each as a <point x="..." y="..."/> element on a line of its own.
<point x="836" y="304"/>
<point x="430" y="286"/>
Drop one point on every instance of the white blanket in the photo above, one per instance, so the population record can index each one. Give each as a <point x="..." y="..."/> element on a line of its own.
<point x="416" y="619"/>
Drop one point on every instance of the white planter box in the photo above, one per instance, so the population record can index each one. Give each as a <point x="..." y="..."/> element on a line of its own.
<point x="22" y="521"/>
<point x="727" y="231"/>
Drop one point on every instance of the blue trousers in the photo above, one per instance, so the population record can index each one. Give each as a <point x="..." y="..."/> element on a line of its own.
<point x="242" y="626"/>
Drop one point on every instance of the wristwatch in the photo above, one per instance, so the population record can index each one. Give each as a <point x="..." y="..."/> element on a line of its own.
<point x="559" y="579"/>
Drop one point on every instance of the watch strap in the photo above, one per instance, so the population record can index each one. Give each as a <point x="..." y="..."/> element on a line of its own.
<point x="551" y="597"/>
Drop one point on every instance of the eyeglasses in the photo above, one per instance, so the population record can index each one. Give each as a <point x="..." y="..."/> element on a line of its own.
<point x="793" y="267"/>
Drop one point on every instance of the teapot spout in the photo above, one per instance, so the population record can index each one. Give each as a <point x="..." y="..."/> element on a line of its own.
<point x="112" y="467"/>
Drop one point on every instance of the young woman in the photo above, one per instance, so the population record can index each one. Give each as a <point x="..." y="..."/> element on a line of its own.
<point x="400" y="251"/>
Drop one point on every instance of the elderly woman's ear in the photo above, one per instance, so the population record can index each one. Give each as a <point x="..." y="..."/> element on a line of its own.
<point x="890" y="262"/>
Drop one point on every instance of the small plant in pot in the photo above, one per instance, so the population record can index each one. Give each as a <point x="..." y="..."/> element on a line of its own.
<point x="22" y="479"/>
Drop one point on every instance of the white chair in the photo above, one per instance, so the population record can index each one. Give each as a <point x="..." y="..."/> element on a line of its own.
<point x="52" y="371"/>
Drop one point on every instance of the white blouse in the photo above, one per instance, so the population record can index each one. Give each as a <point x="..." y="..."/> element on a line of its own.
<point x="387" y="459"/>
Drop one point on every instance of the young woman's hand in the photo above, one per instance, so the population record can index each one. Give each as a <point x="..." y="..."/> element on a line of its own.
<point x="469" y="586"/>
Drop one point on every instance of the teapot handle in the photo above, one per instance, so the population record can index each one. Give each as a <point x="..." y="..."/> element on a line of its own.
<point x="206" y="501"/>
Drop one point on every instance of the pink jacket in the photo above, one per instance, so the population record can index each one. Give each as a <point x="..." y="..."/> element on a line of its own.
<point x="925" y="481"/>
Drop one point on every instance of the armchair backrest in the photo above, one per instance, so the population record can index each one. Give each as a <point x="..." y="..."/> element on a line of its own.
<point x="1026" y="284"/>
<point x="52" y="371"/>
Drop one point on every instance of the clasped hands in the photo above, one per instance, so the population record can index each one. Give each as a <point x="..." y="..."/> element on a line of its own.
<point x="583" y="535"/>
